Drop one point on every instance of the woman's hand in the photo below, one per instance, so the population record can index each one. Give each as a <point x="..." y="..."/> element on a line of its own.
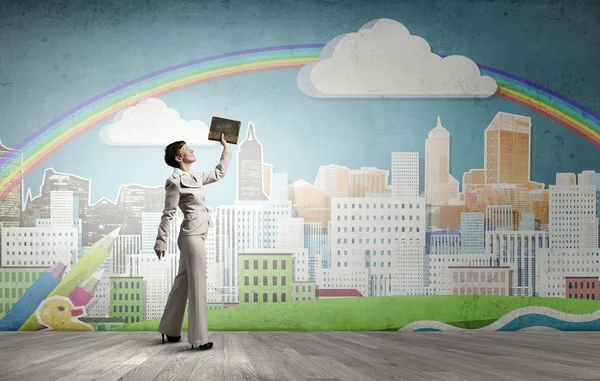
<point x="224" y="143"/>
<point x="160" y="253"/>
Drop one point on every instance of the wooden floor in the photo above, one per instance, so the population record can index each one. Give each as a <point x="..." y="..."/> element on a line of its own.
<point x="346" y="356"/>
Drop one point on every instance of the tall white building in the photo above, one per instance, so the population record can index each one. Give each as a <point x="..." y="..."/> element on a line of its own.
<point x="518" y="250"/>
<point x="99" y="306"/>
<point x="318" y="245"/>
<point x="225" y="248"/>
<point x="400" y="272"/>
<point x="472" y="232"/>
<point x="155" y="275"/>
<point x="39" y="246"/>
<point x="125" y="246"/>
<point x="573" y="221"/>
<point x="385" y="236"/>
<point x="440" y="185"/>
<point x="214" y="267"/>
<point x="573" y="230"/>
<point x="302" y="265"/>
<point x="61" y="208"/>
<point x="291" y="233"/>
<point x="444" y="244"/>
<point x="279" y="187"/>
<point x="405" y="174"/>
<point x="258" y="222"/>
<point x="248" y="224"/>
<point x="556" y="264"/>
<point x="250" y="168"/>
<point x="150" y="222"/>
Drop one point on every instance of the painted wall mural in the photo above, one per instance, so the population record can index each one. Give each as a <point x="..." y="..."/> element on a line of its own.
<point x="429" y="175"/>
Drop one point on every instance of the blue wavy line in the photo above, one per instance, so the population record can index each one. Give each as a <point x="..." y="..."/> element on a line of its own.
<point x="539" y="320"/>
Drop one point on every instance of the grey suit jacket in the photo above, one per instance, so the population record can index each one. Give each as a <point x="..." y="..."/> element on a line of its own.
<point x="189" y="194"/>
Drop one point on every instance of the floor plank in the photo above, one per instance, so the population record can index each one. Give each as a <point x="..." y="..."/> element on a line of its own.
<point x="301" y="356"/>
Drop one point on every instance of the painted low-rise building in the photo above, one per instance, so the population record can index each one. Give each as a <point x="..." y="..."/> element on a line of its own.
<point x="585" y="287"/>
<point x="480" y="280"/>
<point x="265" y="276"/>
<point x="303" y="290"/>
<point x="332" y="293"/>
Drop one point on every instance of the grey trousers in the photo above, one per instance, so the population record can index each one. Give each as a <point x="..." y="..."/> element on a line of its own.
<point x="190" y="282"/>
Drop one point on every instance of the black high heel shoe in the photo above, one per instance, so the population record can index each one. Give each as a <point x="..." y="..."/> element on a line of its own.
<point x="204" y="347"/>
<point x="172" y="339"/>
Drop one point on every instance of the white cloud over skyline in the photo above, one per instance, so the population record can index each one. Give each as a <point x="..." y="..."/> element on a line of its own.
<point x="384" y="60"/>
<point x="152" y="123"/>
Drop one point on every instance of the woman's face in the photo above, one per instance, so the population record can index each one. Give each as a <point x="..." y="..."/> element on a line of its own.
<point x="186" y="155"/>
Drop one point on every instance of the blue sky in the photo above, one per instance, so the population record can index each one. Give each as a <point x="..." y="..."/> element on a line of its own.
<point x="57" y="56"/>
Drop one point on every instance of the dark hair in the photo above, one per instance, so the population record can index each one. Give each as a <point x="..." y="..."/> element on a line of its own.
<point x="171" y="152"/>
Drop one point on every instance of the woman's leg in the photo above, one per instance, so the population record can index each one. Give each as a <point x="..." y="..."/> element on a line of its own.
<point x="172" y="319"/>
<point x="195" y="256"/>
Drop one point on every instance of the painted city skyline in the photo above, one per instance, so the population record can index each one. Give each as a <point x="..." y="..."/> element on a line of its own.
<point x="343" y="184"/>
<point x="450" y="226"/>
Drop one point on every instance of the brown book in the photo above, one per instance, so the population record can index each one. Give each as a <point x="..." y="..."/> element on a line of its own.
<point x="230" y="128"/>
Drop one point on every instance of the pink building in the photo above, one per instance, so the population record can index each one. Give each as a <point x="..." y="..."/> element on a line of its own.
<point x="329" y="293"/>
<point x="584" y="287"/>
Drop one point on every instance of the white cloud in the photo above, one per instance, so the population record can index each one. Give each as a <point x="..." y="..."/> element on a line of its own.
<point x="384" y="60"/>
<point x="152" y="123"/>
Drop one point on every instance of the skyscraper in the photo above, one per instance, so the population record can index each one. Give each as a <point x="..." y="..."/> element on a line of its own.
<point x="10" y="206"/>
<point x="405" y="173"/>
<point x="367" y="180"/>
<point x="250" y="169"/>
<point x="334" y="180"/>
<point x="507" y="149"/>
<point x="440" y="185"/>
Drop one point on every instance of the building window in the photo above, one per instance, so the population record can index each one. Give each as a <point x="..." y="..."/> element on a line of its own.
<point x="274" y="281"/>
<point x="256" y="264"/>
<point x="255" y="297"/>
<point x="265" y="264"/>
<point x="570" y="286"/>
<point x="256" y="281"/>
<point x="274" y="264"/>
<point x="283" y="297"/>
<point x="283" y="283"/>
<point x="283" y="265"/>
<point x="246" y="281"/>
<point x="246" y="264"/>
<point x="275" y="297"/>
<point x="265" y="281"/>
<point x="246" y="297"/>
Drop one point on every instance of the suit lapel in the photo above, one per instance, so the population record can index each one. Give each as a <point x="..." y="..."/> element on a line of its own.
<point x="188" y="182"/>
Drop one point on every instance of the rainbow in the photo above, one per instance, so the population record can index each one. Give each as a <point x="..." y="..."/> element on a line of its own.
<point x="53" y="136"/>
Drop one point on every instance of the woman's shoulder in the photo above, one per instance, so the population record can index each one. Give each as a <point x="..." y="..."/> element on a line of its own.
<point x="172" y="180"/>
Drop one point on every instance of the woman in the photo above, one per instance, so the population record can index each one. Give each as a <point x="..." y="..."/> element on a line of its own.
<point x="185" y="188"/>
